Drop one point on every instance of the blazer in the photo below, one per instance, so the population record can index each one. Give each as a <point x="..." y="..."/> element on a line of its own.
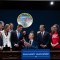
<point x="6" y="39"/>
<point x="14" y="38"/>
<point x="1" y="41"/>
<point x="45" y="40"/>
<point x="34" y="45"/>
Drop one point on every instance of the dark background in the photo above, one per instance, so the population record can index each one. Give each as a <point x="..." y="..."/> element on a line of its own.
<point x="39" y="17"/>
<point x="41" y="12"/>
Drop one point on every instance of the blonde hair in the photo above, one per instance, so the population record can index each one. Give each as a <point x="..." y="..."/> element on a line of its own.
<point x="6" y="26"/>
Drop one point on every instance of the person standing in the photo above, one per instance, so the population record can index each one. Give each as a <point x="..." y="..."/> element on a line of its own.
<point x="1" y="25"/>
<point x="1" y="42"/>
<point x="43" y="38"/>
<point x="6" y="37"/>
<point x="55" y="36"/>
<point x="11" y="27"/>
<point x="16" y="38"/>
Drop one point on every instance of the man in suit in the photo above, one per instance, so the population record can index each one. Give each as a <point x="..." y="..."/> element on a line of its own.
<point x="1" y="42"/>
<point x="25" y="35"/>
<point x="43" y="38"/>
<point x="31" y="43"/>
<point x="1" y="25"/>
<point x="16" y="38"/>
<point x="11" y="27"/>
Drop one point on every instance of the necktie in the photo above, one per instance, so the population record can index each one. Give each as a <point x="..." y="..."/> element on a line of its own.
<point x="18" y="35"/>
<point x="30" y="42"/>
<point x="6" y="45"/>
<point x="42" y="34"/>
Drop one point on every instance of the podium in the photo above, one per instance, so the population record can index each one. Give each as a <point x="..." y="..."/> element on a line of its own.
<point x="16" y="55"/>
<point x="8" y="55"/>
<point x="55" y="54"/>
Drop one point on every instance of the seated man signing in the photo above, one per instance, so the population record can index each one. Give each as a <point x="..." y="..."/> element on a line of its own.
<point x="31" y="43"/>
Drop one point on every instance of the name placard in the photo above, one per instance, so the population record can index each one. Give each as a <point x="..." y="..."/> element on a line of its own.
<point x="35" y="54"/>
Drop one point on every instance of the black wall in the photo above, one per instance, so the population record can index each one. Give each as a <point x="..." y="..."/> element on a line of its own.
<point x="47" y="17"/>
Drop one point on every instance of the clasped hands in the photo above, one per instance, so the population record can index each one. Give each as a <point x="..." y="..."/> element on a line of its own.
<point x="53" y="45"/>
<point x="26" y="44"/>
<point x="43" y="46"/>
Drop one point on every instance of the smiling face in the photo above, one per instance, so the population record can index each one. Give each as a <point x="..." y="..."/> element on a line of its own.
<point x="11" y="26"/>
<point x="0" y="26"/>
<point x="52" y="29"/>
<point x="7" y="28"/>
<point x="31" y="36"/>
<point x="55" y="28"/>
<point x="19" y="28"/>
<point x="42" y="28"/>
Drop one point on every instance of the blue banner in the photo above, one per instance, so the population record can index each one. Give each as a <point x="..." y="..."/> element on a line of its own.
<point x="35" y="54"/>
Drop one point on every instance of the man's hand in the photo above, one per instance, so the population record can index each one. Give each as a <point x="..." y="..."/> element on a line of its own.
<point x="26" y="44"/>
<point x="1" y="48"/>
<point x="16" y="45"/>
<point x="29" y="44"/>
<point x="43" y="46"/>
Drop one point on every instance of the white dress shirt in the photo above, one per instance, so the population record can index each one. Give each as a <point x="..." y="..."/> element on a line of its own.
<point x="43" y="32"/>
<point x="31" y="42"/>
<point x="18" y="34"/>
<point x="6" y="39"/>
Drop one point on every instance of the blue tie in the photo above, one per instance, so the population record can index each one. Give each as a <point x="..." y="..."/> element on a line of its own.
<point x="18" y="35"/>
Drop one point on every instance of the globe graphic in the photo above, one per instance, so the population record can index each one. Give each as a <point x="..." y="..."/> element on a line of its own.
<point x="25" y="19"/>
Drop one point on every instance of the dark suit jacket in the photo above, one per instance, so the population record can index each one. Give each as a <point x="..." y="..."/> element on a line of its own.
<point x="14" y="38"/>
<point x="45" y="40"/>
<point x="1" y="41"/>
<point x="34" y="45"/>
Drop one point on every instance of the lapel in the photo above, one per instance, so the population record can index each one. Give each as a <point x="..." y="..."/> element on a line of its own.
<point x="20" y="35"/>
<point x="33" y="42"/>
<point x="16" y="33"/>
<point x="17" y="36"/>
<point x="43" y="35"/>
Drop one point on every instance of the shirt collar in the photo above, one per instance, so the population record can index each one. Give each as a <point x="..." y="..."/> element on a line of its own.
<point x="31" y="40"/>
<point x="43" y="32"/>
<point x="17" y="31"/>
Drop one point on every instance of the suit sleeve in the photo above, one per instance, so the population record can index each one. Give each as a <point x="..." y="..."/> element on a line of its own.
<point x="1" y="41"/>
<point x="48" y="39"/>
<point x="35" y="45"/>
<point x="38" y="40"/>
<point x="13" y="38"/>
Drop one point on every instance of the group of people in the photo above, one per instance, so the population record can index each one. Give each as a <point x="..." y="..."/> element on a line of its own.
<point x="11" y="39"/>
